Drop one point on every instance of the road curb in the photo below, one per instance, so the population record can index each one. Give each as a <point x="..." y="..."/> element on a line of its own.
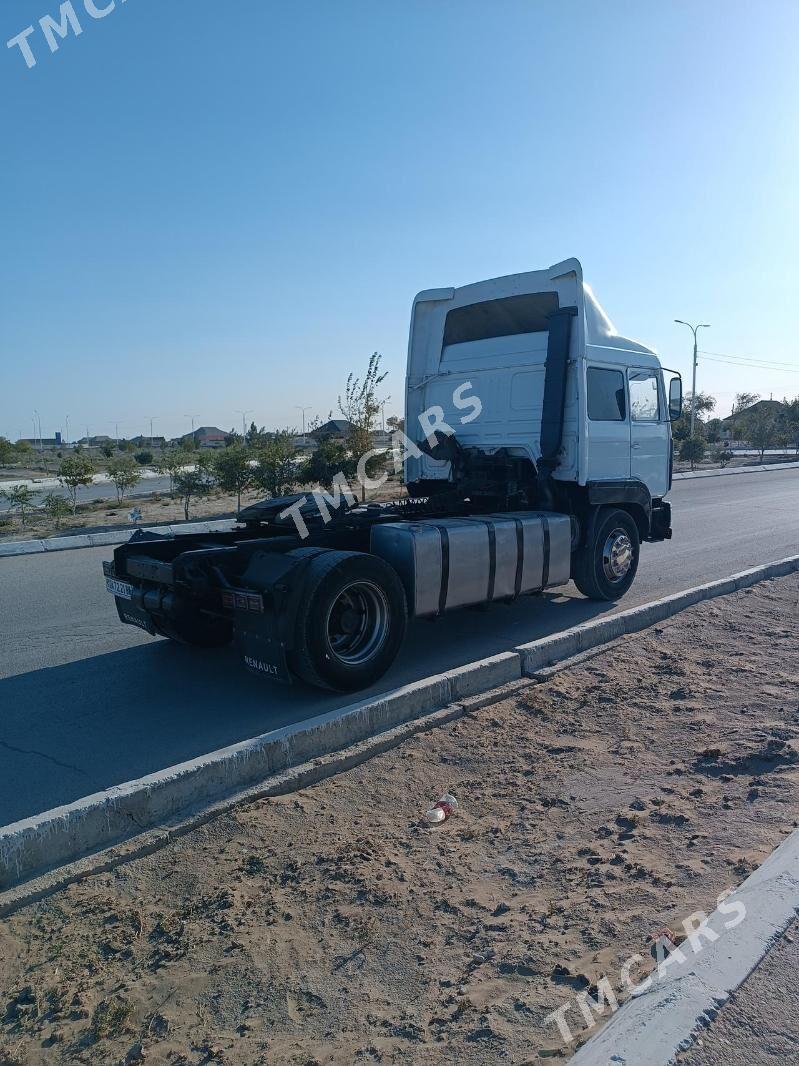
<point x="59" y="836"/>
<point x="665" y="1019"/>
<point x="96" y="540"/>
<point x="687" y="475"/>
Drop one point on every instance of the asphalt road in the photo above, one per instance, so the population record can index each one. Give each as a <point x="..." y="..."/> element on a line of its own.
<point x="100" y="490"/>
<point x="86" y="703"/>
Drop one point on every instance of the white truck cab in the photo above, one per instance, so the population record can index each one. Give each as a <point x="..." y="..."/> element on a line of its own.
<point x="573" y="419"/>
<point x="495" y="334"/>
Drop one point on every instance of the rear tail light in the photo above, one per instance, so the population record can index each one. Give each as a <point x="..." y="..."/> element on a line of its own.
<point x="242" y="601"/>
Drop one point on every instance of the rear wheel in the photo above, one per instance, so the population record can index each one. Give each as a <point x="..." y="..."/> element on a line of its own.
<point x="605" y="566"/>
<point x="351" y="623"/>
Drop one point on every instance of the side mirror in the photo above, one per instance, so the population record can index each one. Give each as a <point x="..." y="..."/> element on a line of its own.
<point x="675" y="398"/>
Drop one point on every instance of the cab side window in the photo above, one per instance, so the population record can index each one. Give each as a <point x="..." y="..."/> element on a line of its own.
<point x="644" y="403"/>
<point x="606" y="401"/>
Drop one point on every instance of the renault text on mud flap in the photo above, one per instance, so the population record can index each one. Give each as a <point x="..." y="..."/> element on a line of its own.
<point x="261" y="666"/>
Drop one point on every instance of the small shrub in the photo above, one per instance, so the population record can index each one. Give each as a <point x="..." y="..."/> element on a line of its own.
<point x="143" y="458"/>
<point x="110" y="1017"/>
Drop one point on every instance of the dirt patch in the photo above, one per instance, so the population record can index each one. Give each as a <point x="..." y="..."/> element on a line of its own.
<point x="334" y="926"/>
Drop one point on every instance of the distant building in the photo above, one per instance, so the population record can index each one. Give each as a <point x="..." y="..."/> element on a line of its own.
<point x="96" y="441"/>
<point x="335" y="429"/>
<point x="733" y="427"/>
<point x="143" y="441"/>
<point x="46" y="442"/>
<point x="206" y="437"/>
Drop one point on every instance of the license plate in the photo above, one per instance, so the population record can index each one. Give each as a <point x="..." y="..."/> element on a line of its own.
<point x="119" y="588"/>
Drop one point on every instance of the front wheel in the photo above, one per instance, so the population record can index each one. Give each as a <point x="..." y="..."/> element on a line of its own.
<point x="351" y="622"/>
<point x="605" y="566"/>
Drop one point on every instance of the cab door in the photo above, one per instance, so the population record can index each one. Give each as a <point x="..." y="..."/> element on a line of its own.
<point x="608" y="427"/>
<point x="650" y="439"/>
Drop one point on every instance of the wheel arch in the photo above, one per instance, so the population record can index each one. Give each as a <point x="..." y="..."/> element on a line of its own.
<point x="628" y="495"/>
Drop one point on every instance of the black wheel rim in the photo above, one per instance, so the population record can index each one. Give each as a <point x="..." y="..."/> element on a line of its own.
<point x="357" y="622"/>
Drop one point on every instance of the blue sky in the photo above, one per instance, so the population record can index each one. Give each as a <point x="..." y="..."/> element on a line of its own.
<point x="212" y="206"/>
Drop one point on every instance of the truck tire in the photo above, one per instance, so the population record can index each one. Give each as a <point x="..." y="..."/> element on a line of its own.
<point x="605" y="566"/>
<point x="351" y="622"/>
<point x="201" y="631"/>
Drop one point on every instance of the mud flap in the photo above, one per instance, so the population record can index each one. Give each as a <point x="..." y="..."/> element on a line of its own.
<point x="261" y="652"/>
<point x="134" y="616"/>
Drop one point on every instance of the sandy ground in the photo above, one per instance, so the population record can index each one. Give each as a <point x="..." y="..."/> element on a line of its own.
<point x="334" y="926"/>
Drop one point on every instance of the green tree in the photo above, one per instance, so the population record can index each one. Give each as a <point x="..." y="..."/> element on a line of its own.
<point x="8" y="453"/>
<point x="713" y="430"/>
<point x="681" y="428"/>
<point x="761" y="430"/>
<point x="20" y="498"/>
<point x="55" y="507"/>
<point x="277" y="471"/>
<point x="361" y="405"/>
<point x="255" y="437"/>
<point x="233" y="471"/>
<point x="171" y="463"/>
<point x="74" y="471"/>
<point x="692" y="449"/>
<point x="144" y="457"/>
<point x="742" y="401"/>
<point x="124" y="473"/>
<point x="329" y="458"/>
<point x="791" y="420"/>
<point x="107" y="450"/>
<point x="193" y="485"/>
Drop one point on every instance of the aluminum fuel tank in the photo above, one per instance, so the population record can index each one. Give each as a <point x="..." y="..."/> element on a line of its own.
<point x="455" y="562"/>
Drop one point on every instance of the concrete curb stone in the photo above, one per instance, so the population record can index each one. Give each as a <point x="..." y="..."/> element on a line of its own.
<point x="114" y="536"/>
<point x="687" y="475"/>
<point x="665" y="1019"/>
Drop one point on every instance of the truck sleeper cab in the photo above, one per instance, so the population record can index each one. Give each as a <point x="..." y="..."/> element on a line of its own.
<point x="538" y="448"/>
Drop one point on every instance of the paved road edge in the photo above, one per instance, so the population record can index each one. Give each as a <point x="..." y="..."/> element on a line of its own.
<point x="30" y="847"/>
<point x="666" y="1018"/>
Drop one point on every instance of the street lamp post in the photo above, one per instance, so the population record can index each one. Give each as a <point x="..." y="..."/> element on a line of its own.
<point x="243" y="422"/>
<point x="693" y="329"/>
<point x="303" y="409"/>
